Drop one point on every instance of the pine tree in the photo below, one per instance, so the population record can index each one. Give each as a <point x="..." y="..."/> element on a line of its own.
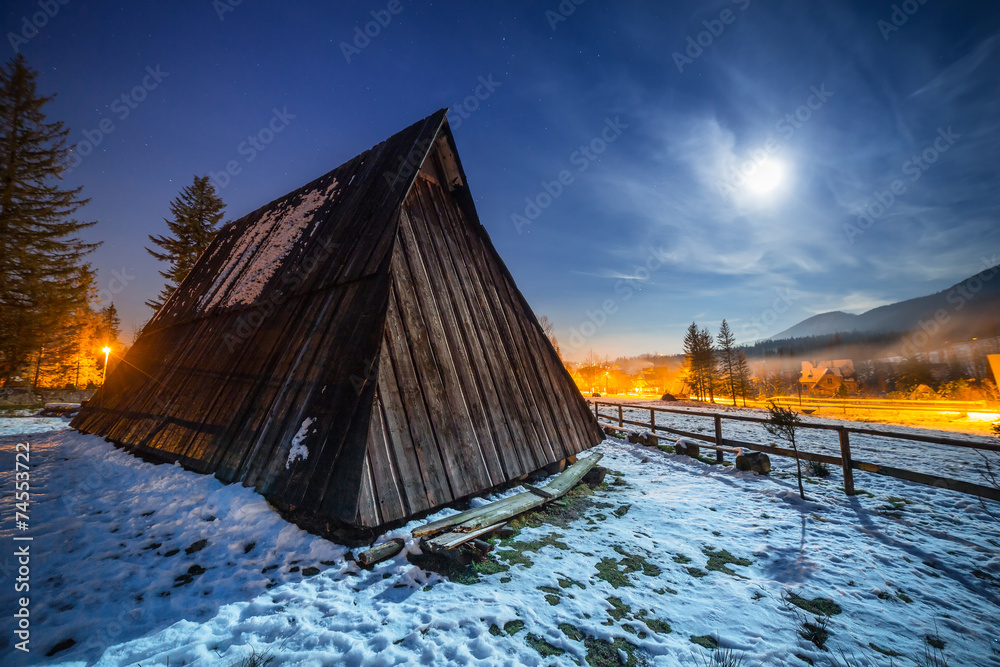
<point x="742" y="375"/>
<point x="727" y="359"/>
<point x="111" y="324"/>
<point x="692" y="358"/>
<point x="708" y="362"/>
<point x="42" y="258"/>
<point x="197" y="212"/>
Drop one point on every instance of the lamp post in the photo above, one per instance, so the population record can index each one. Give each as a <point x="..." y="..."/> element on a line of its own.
<point x="107" y="351"/>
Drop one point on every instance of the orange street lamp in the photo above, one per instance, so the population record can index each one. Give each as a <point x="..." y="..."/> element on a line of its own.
<point x="107" y="351"/>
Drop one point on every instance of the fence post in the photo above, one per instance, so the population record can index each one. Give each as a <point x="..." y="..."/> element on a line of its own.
<point x="597" y="414"/>
<point x="718" y="439"/>
<point x="652" y="420"/>
<point x="621" y="420"/>
<point x="845" y="459"/>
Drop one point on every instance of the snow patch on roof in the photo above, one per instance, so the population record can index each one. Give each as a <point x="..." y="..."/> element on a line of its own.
<point x="298" y="450"/>
<point x="258" y="253"/>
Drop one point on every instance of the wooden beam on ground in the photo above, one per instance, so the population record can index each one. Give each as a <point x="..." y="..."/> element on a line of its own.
<point x="380" y="552"/>
<point x="452" y="540"/>
<point x="474" y="522"/>
<point x="538" y="492"/>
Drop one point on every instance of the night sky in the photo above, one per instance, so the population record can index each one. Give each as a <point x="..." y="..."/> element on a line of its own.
<point x="656" y="111"/>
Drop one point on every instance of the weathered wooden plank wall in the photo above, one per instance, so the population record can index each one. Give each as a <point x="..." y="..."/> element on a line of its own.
<point x="486" y="398"/>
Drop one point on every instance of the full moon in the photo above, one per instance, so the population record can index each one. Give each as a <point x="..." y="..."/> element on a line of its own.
<point x="767" y="177"/>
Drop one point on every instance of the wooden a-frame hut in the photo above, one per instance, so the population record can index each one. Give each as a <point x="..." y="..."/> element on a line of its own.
<point x="355" y="350"/>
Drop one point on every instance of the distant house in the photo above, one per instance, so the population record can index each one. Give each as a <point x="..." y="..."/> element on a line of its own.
<point x="827" y="377"/>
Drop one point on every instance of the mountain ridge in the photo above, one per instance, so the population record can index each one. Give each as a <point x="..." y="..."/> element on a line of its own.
<point x="967" y="309"/>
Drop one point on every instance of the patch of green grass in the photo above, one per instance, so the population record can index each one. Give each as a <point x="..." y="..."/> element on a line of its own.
<point x="622" y="511"/>
<point x="607" y="569"/>
<point x="816" y="606"/>
<point x="898" y="503"/>
<point x="544" y="648"/>
<point x="884" y="595"/>
<point x="706" y="641"/>
<point x="619" y="609"/>
<point x="571" y="632"/>
<point x="551" y="540"/>
<point x="495" y="631"/>
<point x="664" y="590"/>
<point x="513" y="627"/>
<point x="903" y="596"/>
<point x="514" y="557"/>
<point x="682" y="559"/>
<point x="884" y="651"/>
<point x="669" y="449"/>
<point x="602" y="653"/>
<point x="490" y="566"/>
<point x="567" y="509"/>
<point x="635" y="563"/>
<point x="551" y="594"/>
<point x="696" y="572"/>
<point x="656" y="625"/>
<point x="454" y="571"/>
<point x="566" y="582"/>
<point x="717" y="561"/>
<point x="614" y="572"/>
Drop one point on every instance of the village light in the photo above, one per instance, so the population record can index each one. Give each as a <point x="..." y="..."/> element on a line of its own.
<point x="107" y="351"/>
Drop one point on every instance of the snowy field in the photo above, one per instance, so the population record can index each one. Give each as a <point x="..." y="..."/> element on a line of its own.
<point x="134" y="563"/>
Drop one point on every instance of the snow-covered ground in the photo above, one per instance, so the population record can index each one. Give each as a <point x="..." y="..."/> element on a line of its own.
<point x="148" y="564"/>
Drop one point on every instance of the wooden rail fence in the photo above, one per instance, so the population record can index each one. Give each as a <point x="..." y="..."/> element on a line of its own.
<point x="845" y="460"/>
